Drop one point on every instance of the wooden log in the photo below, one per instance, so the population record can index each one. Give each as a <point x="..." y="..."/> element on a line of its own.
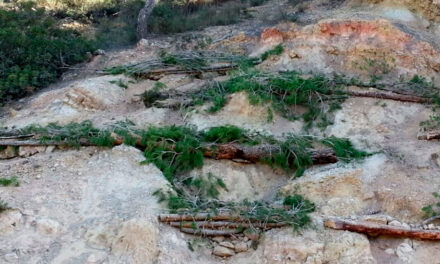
<point x="210" y="232"/>
<point x="224" y="224"/>
<point x="197" y="217"/>
<point x="376" y="229"/>
<point x="389" y="96"/>
<point x="260" y="152"/>
<point x="17" y="136"/>
<point x="155" y="74"/>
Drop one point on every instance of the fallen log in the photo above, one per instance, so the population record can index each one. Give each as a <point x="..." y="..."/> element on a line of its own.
<point x="197" y="217"/>
<point x="389" y="96"/>
<point x="376" y="229"/>
<point x="158" y="73"/>
<point x="215" y="151"/>
<point x="262" y="152"/>
<point x="224" y="224"/>
<point x="209" y="232"/>
<point x="175" y="99"/>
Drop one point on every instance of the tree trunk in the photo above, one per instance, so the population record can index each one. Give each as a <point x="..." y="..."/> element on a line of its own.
<point x="374" y="229"/>
<point x="144" y="14"/>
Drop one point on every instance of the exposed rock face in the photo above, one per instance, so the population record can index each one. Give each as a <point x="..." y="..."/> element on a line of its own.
<point x="428" y="8"/>
<point x="96" y="205"/>
<point x="86" y="203"/>
<point x="356" y="47"/>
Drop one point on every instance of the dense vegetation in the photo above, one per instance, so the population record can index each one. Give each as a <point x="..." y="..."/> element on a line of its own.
<point x="34" y="51"/>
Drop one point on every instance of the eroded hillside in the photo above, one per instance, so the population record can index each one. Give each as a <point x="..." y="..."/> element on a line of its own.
<point x="305" y="110"/>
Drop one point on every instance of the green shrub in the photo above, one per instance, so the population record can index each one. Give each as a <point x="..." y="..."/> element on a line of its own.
<point x="3" y="206"/>
<point x="13" y="181"/>
<point x="34" y="51"/>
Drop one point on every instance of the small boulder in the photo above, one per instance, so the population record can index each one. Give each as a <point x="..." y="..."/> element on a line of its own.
<point x="395" y="223"/>
<point x="223" y="252"/>
<point x="8" y="152"/>
<point x="48" y="226"/>
<point x="218" y="239"/>
<point x="227" y="244"/>
<point x="241" y="247"/>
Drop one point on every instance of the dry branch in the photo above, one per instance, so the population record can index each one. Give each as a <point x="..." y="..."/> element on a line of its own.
<point x="375" y="229"/>
<point x="158" y="73"/>
<point x="209" y="232"/>
<point x="388" y="96"/>
<point x="197" y="217"/>
<point x="175" y="99"/>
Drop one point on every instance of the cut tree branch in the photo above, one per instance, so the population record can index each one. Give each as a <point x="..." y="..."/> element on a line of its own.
<point x="389" y="96"/>
<point x="158" y="73"/>
<point x="209" y="232"/>
<point x="375" y="229"/>
<point x="224" y="224"/>
<point x="174" y="99"/>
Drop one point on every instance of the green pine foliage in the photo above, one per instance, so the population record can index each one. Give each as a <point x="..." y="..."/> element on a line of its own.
<point x="71" y="134"/>
<point x="174" y="150"/>
<point x="12" y="181"/>
<point x="277" y="50"/>
<point x="34" y="51"/>
<point x="344" y="149"/>
<point x="285" y="92"/>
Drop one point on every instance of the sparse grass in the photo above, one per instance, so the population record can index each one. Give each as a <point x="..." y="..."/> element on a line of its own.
<point x="432" y="210"/>
<point x="277" y="50"/>
<point x="12" y="181"/>
<point x="427" y="89"/>
<point x="119" y="83"/>
<point x="3" y="206"/>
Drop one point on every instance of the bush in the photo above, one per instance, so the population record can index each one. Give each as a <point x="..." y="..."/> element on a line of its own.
<point x="34" y="51"/>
